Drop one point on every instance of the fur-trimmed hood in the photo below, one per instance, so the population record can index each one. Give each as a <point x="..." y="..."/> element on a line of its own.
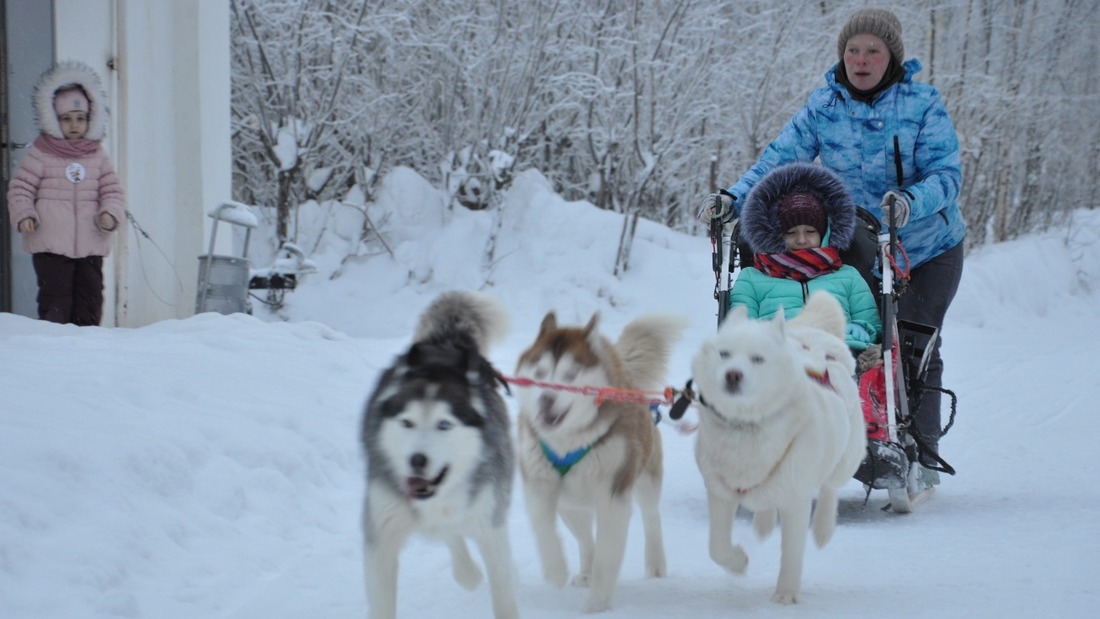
<point x="760" y="213"/>
<point x="70" y="73"/>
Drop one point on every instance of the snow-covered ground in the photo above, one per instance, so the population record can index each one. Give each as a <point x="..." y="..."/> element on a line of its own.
<point x="210" y="467"/>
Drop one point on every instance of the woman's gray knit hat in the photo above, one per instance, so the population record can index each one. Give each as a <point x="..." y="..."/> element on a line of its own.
<point x="879" y="22"/>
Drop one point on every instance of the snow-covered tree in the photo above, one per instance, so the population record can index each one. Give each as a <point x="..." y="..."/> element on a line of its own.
<point x="640" y="106"/>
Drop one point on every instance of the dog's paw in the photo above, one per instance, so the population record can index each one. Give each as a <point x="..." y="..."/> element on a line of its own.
<point x="509" y="613"/>
<point x="733" y="558"/>
<point x="581" y="581"/>
<point x="823" y="529"/>
<point x="467" y="575"/>
<point x="823" y="522"/>
<point x="785" y="597"/>
<point x="656" y="571"/>
<point x="598" y="602"/>
<point x="555" y="572"/>
<point x="656" y="564"/>
<point x="763" y="523"/>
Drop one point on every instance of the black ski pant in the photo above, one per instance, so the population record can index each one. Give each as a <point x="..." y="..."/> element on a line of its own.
<point x="70" y="290"/>
<point x="932" y="287"/>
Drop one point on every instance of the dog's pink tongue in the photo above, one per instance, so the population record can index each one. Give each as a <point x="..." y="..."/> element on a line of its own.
<point x="417" y="486"/>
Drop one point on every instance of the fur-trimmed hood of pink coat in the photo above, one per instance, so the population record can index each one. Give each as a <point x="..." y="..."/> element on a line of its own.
<point x="71" y="73"/>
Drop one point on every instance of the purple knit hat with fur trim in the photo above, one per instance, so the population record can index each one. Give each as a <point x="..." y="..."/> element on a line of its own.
<point x="760" y="214"/>
<point x="801" y="209"/>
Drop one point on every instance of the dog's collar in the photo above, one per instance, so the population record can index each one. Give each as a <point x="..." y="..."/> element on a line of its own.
<point x="775" y="467"/>
<point x="739" y="426"/>
<point x="689" y="395"/>
<point x="821" y="378"/>
<point x="562" y="463"/>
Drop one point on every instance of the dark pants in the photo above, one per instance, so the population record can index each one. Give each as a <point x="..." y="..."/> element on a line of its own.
<point x="932" y="287"/>
<point x="70" y="290"/>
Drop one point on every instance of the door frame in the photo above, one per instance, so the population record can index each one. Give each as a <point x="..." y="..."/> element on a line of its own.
<point x="28" y="51"/>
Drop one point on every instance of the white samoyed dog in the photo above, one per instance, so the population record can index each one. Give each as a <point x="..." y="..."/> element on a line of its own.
<point x="780" y="422"/>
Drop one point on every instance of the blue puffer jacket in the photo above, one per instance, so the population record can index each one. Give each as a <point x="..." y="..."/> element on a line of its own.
<point x="856" y="140"/>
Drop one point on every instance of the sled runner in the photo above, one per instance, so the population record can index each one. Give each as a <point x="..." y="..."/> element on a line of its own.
<point x="897" y="459"/>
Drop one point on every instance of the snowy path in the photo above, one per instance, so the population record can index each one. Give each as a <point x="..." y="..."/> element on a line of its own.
<point x="209" y="468"/>
<point x="222" y="479"/>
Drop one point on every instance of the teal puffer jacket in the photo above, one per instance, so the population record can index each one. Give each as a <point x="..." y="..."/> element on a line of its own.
<point x="763" y="295"/>
<point x="856" y="141"/>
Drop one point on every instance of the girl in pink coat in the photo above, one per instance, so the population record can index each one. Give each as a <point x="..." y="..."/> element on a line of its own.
<point x="65" y="197"/>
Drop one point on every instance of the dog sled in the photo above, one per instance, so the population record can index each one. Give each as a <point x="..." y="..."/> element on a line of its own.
<point x="898" y="460"/>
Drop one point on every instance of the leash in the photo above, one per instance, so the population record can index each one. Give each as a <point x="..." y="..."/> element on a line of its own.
<point x="144" y="275"/>
<point x="901" y="270"/>
<point x="601" y="394"/>
<point x="562" y="463"/>
<point x="687" y="395"/>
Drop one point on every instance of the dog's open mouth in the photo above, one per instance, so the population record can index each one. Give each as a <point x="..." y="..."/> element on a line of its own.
<point x="548" y="416"/>
<point x="423" y="488"/>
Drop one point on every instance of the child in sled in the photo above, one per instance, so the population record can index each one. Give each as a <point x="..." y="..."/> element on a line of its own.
<point x="796" y="220"/>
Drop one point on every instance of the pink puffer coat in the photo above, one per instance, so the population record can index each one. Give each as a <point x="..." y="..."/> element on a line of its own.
<point x="64" y="194"/>
<point x="65" y="211"/>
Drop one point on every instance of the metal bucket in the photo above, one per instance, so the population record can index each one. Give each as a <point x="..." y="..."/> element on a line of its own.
<point x="223" y="285"/>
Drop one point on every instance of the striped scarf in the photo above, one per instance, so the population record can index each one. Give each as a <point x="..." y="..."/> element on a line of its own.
<point x="801" y="265"/>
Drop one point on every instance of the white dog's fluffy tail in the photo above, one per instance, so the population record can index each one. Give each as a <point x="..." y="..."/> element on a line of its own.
<point x="481" y="316"/>
<point x="645" y="347"/>
<point x="822" y="311"/>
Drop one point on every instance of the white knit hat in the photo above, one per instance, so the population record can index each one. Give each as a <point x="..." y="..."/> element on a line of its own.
<point x="70" y="99"/>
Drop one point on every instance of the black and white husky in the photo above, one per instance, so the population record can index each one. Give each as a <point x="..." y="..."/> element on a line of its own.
<point x="439" y="455"/>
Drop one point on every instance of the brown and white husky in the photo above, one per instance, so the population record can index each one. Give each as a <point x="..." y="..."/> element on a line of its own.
<point x="588" y="460"/>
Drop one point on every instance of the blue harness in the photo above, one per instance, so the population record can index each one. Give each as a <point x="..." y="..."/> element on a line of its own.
<point x="562" y="464"/>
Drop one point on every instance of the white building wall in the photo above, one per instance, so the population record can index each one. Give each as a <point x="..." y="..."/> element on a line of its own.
<point x="170" y="139"/>
<point x="83" y="31"/>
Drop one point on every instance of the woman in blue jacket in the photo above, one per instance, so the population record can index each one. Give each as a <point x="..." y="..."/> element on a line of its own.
<point x="886" y="136"/>
<point x="796" y="220"/>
